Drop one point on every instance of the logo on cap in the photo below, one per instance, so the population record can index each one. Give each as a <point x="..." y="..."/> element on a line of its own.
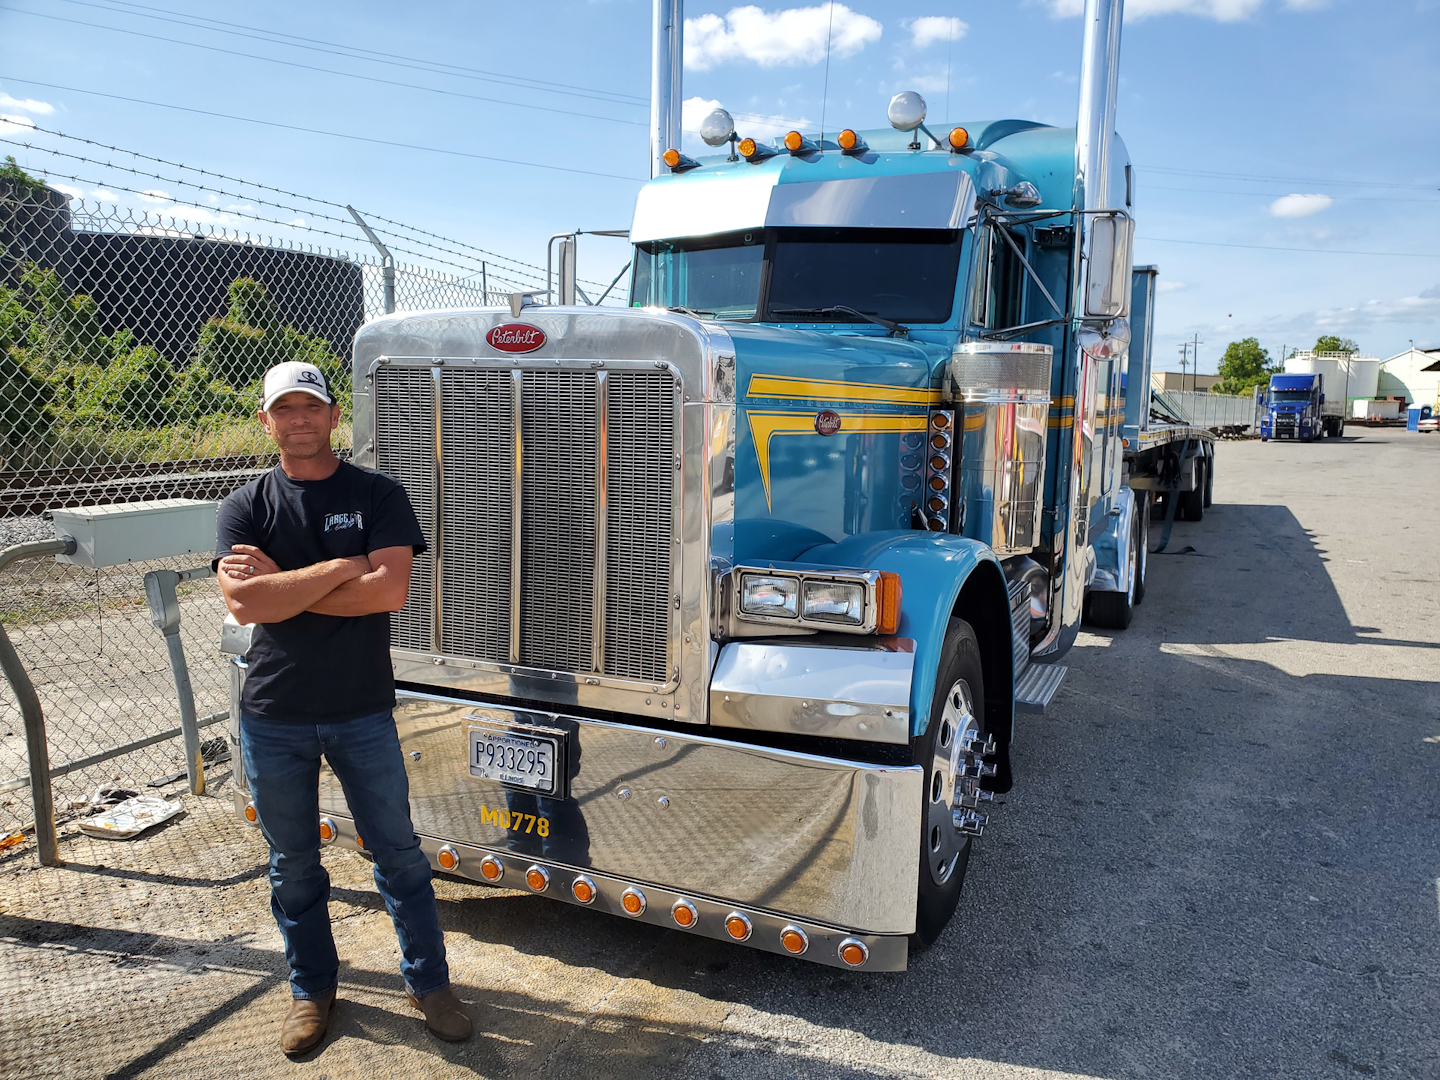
<point x="311" y="377"/>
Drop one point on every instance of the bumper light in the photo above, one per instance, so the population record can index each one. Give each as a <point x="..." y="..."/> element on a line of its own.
<point x="853" y="952"/>
<point x="328" y="832"/>
<point x="583" y="889"/>
<point x="834" y="601"/>
<point x="537" y="878"/>
<point x="684" y="914"/>
<point x="633" y="901"/>
<point x="447" y="857"/>
<point x="794" y="939"/>
<point x="776" y="597"/>
<point x="491" y="869"/>
<point x="737" y="926"/>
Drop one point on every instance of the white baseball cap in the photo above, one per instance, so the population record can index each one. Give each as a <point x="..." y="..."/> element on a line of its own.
<point x="290" y="376"/>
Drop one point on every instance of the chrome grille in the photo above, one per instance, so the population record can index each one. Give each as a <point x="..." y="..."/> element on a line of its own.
<point x="593" y="589"/>
<point x="560" y="441"/>
<point x="477" y="467"/>
<point x="640" y="496"/>
<point x="405" y="450"/>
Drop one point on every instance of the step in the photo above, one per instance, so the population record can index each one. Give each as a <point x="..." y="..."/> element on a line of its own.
<point x="1037" y="686"/>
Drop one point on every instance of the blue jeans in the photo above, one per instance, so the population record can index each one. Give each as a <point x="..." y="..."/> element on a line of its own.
<point x="282" y="767"/>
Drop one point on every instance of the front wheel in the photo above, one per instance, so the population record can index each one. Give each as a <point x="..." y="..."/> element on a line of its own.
<point x="952" y="749"/>
<point x="1114" y="610"/>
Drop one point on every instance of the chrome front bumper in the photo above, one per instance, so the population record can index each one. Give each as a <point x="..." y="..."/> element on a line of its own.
<point x="786" y="839"/>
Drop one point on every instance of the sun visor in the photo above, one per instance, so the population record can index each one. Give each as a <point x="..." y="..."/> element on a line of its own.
<point x="697" y="205"/>
<point x="935" y="200"/>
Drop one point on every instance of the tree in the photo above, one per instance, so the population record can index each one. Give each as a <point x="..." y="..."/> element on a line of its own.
<point x="1331" y="343"/>
<point x="1244" y="365"/>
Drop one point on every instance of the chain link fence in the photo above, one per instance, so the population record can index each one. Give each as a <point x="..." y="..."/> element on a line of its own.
<point x="132" y="344"/>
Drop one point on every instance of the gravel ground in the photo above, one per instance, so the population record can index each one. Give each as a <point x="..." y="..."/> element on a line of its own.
<point x="21" y="530"/>
<point x="1220" y="859"/>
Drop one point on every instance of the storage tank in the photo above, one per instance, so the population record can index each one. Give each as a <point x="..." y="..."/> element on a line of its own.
<point x="1364" y="378"/>
<point x="1331" y="367"/>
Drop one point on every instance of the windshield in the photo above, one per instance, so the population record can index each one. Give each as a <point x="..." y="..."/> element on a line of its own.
<point x="904" y="275"/>
<point x="1289" y="395"/>
<point x="715" y="276"/>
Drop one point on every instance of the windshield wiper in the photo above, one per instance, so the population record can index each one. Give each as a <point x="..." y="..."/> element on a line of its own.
<point x="692" y="312"/>
<point x="894" y="327"/>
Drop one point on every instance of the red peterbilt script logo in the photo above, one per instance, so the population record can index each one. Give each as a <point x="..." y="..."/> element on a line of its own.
<point x="515" y="337"/>
<point x="827" y="422"/>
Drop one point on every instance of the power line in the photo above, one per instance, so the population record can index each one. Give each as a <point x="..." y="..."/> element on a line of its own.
<point x="329" y="71"/>
<point x="1280" y="179"/>
<point x="355" y="52"/>
<point x="320" y="131"/>
<point x="1268" y="247"/>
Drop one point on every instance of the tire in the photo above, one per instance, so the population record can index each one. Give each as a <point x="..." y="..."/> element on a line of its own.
<point x="1142" y="551"/>
<point x="1209" y="479"/>
<point x="1114" y="610"/>
<point x="944" y="852"/>
<point x="1192" y="503"/>
<point x="1340" y="429"/>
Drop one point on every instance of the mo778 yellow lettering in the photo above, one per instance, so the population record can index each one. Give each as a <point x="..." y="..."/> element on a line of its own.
<point x="517" y="821"/>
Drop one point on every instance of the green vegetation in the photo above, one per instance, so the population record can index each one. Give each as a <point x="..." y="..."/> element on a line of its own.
<point x="1331" y="343"/>
<point x="24" y="183"/>
<point x="72" y="395"/>
<point x="1245" y="365"/>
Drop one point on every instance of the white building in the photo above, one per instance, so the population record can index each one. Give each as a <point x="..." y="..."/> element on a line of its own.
<point x="1413" y="374"/>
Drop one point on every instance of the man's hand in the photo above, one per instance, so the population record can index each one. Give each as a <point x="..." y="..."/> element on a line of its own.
<point x="257" y="591"/>
<point x="382" y="589"/>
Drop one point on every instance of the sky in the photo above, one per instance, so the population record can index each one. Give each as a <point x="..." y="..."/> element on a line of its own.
<point x="1286" y="151"/>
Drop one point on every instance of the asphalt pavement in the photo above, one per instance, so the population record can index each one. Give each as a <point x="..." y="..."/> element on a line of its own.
<point x="1221" y="858"/>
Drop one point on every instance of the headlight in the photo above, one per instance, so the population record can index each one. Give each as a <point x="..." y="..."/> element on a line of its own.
<point x="834" y="601"/>
<point x="777" y="597"/>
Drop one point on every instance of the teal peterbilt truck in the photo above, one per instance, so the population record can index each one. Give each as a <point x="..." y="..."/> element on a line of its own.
<point x="732" y="596"/>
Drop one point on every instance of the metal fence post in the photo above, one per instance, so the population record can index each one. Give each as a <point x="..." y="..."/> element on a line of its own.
<point x="165" y="614"/>
<point x="387" y="267"/>
<point x="37" y="748"/>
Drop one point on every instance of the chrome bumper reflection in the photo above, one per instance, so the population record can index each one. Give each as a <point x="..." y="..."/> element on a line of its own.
<point x="861" y="694"/>
<point x="801" y="837"/>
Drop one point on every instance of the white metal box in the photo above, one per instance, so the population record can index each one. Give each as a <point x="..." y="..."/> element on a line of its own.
<point x="138" y="531"/>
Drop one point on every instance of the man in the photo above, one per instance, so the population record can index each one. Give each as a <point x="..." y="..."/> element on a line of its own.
<point x="316" y="553"/>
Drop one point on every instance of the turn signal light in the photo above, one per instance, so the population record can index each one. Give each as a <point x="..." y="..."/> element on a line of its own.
<point x="684" y="914"/>
<point x="794" y="940"/>
<point x="583" y="889"/>
<point x="251" y="815"/>
<point x="959" y="139"/>
<point x="853" y="952"/>
<point x="888" y="618"/>
<point x="633" y="901"/>
<point x="737" y="926"/>
<point x="328" y="832"/>
<point x="537" y="878"/>
<point x="491" y="868"/>
<point x="448" y="858"/>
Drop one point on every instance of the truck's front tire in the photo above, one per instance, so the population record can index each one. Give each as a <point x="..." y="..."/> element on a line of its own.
<point x="956" y="713"/>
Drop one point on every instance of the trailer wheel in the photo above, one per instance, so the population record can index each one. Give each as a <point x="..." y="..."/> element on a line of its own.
<point x="956" y="716"/>
<point x="1209" y="479"/>
<point x="1114" y="610"/>
<point x="1142" y="548"/>
<point x="1191" y="506"/>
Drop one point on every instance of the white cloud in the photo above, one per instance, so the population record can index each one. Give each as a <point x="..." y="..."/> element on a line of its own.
<point x="755" y="125"/>
<point x="774" y="38"/>
<point x="1291" y="206"/>
<point x="1424" y="307"/>
<point x="1171" y="286"/>
<point x="928" y="29"/>
<point x="104" y="196"/>
<point x="30" y="105"/>
<point x="65" y="189"/>
<point x="1220" y="10"/>
<point x="156" y="196"/>
<point x="11" y="124"/>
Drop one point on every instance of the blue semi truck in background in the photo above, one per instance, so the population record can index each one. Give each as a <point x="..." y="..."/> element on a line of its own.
<point x="732" y="596"/>
<point x="1296" y="408"/>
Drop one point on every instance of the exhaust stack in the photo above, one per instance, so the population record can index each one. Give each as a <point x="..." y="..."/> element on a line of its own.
<point x="1099" y="88"/>
<point x="667" y="54"/>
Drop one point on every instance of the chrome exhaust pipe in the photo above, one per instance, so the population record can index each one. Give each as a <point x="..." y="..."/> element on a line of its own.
<point x="667" y="55"/>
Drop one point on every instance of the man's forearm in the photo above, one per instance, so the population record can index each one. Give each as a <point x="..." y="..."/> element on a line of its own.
<point x="367" y="594"/>
<point x="272" y="598"/>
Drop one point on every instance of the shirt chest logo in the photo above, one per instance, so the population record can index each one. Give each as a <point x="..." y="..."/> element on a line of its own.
<point x="339" y="522"/>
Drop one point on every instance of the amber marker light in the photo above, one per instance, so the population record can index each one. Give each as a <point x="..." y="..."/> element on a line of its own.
<point x="583" y="889"/>
<point x="940" y="421"/>
<point x="737" y="926"/>
<point x="958" y="139"/>
<point x="672" y="157"/>
<point x="447" y="857"/>
<point x="537" y="878"/>
<point x="491" y="868"/>
<point x="328" y="831"/>
<point x="888" y="620"/>
<point x="794" y="940"/>
<point x="849" y="142"/>
<point x="746" y="148"/>
<point x="251" y="815"/>
<point x="633" y="901"/>
<point x="853" y="952"/>
<point x="359" y="843"/>
<point x="684" y="914"/>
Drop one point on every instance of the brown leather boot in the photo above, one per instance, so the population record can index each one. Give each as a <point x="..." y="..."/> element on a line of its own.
<point x="304" y="1024"/>
<point x="445" y="1015"/>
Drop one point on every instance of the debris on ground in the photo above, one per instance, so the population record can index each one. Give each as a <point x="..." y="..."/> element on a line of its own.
<point x="130" y="818"/>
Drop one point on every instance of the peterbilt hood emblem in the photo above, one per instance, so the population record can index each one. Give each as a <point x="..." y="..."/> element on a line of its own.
<point x="515" y="337"/>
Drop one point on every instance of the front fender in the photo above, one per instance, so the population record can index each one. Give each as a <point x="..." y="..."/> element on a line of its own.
<point x="934" y="569"/>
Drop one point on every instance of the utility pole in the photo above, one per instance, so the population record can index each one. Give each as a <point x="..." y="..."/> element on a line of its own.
<point x="1194" y="361"/>
<point x="1184" y="362"/>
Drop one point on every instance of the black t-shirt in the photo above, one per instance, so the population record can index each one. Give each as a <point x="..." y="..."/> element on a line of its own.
<point x="319" y="668"/>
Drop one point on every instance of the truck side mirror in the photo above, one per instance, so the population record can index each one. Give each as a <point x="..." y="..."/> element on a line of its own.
<point x="1107" y="265"/>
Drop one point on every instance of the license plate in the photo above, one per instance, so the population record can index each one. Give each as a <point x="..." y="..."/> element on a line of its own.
<point x="526" y="761"/>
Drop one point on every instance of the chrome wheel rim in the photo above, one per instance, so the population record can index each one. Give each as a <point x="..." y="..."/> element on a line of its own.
<point x="959" y="728"/>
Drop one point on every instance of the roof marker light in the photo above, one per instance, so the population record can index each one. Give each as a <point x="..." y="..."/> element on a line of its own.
<point x="959" y="139"/>
<point x="678" y="162"/>
<point x="755" y="152"/>
<point x="798" y="144"/>
<point x="850" y="142"/>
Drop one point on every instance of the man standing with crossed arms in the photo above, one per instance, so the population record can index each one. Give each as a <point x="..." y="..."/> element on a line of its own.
<point x="316" y="553"/>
